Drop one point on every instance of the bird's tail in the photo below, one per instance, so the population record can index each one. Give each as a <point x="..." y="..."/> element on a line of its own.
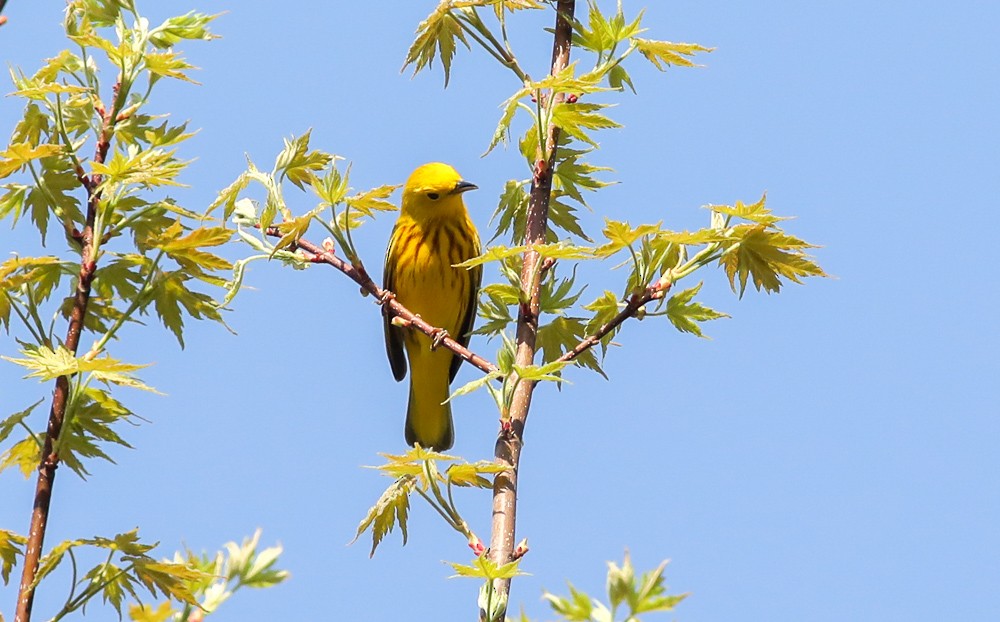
<point x="428" y="419"/>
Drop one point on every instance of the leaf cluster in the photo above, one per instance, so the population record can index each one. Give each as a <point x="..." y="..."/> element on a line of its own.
<point x="235" y="566"/>
<point x="89" y="159"/>
<point x="339" y="210"/>
<point x="128" y="572"/>
<point x="637" y="595"/>
<point x="417" y="471"/>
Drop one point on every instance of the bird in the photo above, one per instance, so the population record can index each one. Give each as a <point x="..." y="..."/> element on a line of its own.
<point x="432" y="234"/>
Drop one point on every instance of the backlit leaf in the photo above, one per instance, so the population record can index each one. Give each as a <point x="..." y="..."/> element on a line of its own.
<point x="685" y="314"/>
<point x="391" y="509"/>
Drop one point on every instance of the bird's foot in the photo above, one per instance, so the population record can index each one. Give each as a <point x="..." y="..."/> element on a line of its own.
<point x="438" y="338"/>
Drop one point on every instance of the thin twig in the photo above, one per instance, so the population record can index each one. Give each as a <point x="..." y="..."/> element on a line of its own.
<point x="387" y="299"/>
<point x="655" y="291"/>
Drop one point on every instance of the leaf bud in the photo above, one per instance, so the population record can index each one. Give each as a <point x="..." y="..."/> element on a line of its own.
<point x="476" y="545"/>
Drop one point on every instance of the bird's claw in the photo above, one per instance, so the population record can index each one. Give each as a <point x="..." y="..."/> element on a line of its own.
<point x="438" y="338"/>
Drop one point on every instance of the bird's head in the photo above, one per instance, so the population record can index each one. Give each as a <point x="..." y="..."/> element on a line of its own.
<point x="434" y="189"/>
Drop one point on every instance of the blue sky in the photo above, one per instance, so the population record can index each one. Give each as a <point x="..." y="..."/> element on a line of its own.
<point x="829" y="455"/>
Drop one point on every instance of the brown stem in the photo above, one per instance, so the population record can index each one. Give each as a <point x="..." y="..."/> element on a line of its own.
<point x="653" y="292"/>
<point x="60" y="396"/>
<point x="509" y="442"/>
<point x="388" y="301"/>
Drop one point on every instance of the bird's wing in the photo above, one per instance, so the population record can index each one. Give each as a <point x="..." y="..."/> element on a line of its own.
<point x="469" y="319"/>
<point x="393" y="335"/>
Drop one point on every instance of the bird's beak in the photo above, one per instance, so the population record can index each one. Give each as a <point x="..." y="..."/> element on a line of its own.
<point x="464" y="186"/>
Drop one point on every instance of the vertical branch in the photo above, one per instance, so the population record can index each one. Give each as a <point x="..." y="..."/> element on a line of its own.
<point x="509" y="443"/>
<point x="60" y="396"/>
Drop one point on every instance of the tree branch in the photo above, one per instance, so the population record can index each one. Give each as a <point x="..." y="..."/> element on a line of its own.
<point x="387" y="299"/>
<point x="510" y="439"/>
<point x="89" y="240"/>
<point x="655" y="291"/>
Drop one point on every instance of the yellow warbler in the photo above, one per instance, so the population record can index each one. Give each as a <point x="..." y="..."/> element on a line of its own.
<point x="433" y="233"/>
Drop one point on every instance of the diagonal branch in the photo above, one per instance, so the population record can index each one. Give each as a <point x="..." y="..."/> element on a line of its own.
<point x="387" y="299"/>
<point x="656" y="291"/>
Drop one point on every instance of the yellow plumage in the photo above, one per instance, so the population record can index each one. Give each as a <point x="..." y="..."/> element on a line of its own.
<point x="433" y="233"/>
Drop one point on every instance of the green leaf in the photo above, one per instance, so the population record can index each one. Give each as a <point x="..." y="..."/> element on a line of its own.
<point x="537" y="373"/>
<point x="563" y="334"/>
<point x="602" y="34"/>
<point x="665" y="53"/>
<point x="392" y="508"/>
<point x="622" y="235"/>
<point x="373" y="200"/>
<point x="766" y="255"/>
<point x="555" y="294"/>
<point x="47" y="364"/>
<point x="651" y="593"/>
<point x="576" y="119"/>
<point x="184" y="27"/>
<point x="471" y="473"/>
<point x="9" y="424"/>
<point x="478" y="383"/>
<point x="230" y="194"/>
<point x="25" y="455"/>
<point x="484" y="568"/>
<point x="11" y="546"/>
<point x="511" y="211"/>
<point x="621" y="581"/>
<point x="168" y="65"/>
<point x="566" y="81"/>
<point x="578" y="607"/>
<point x="147" y="613"/>
<point x="298" y="163"/>
<point x="494" y="253"/>
<point x="685" y="314"/>
<point x="436" y="35"/>
<point x="605" y="309"/>
<point x="563" y="250"/>
<point x="113" y="583"/>
<point x="13" y="201"/>
<point x="173" y="580"/>
<point x="509" y="107"/>
<point x="563" y="216"/>
<point x="494" y="308"/>
<point x="18" y="155"/>
<point x="754" y="212"/>
<point x="618" y="78"/>
<point x="170" y="294"/>
<point x="148" y="168"/>
<point x="572" y="176"/>
<point x="33" y="125"/>
<point x="91" y="418"/>
<point x="64" y="62"/>
<point x="332" y="187"/>
<point x="50" y="561"/>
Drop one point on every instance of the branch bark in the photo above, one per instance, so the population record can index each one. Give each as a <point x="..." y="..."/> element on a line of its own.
<point x="60" y="396"/>
<point x="387" y="299"/>
<point x="508" y="446"/>
<point x="655" y="291"/>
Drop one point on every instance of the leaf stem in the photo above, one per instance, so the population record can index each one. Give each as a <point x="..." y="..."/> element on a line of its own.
<point x="15" y="305"/>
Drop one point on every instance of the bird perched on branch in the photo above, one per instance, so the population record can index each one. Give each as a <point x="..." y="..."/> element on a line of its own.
<point x="433" y="233"/>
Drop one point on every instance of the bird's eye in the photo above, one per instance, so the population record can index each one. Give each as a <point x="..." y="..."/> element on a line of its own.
<point x="433" y="196"/>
